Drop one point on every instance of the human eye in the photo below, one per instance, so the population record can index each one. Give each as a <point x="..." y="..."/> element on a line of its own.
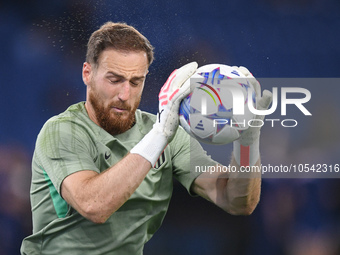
<point x="114" y="80"/>
<point x="136" y="82"/>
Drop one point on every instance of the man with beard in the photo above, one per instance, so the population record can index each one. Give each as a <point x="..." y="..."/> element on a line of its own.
<point x="102" y="170"/>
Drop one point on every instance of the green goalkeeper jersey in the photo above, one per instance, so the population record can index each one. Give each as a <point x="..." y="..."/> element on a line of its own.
<point x="71" y="142"/>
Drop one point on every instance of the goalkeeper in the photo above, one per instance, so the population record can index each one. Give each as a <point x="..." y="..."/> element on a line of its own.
<point x="102" y="170"/>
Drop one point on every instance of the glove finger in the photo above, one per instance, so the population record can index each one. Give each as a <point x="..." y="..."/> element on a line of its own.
<point x="256" y="86"/>
<point x="265" y="100"/>
<point x="251" y="79"/>
<point x="244" y="70"/>
<point x="176" y="87"/>
<point x="183" y="74"/>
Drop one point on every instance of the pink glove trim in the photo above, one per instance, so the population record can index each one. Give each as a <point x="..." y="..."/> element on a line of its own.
<point x="173" y="94"/>
<point x="166" y="86"/>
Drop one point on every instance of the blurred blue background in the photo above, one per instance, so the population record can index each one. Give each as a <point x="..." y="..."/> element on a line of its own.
<point x="43" y="46"/>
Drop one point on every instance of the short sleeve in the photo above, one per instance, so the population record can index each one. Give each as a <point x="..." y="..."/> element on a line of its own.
<point x="186" y="154"/>
<point x="63" y="148"/>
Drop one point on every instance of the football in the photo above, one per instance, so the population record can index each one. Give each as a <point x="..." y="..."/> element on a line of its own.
<point x="208" y="113"/>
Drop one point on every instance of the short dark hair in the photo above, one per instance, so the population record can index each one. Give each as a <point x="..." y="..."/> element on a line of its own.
<point x="118" y="36"/>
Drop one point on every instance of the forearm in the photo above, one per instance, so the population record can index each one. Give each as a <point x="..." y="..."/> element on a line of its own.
<point x="100" y="195"/>
<point x="242" y="192"/>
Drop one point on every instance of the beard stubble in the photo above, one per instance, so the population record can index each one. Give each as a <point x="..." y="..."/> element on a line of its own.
<point x="113" y="122"/>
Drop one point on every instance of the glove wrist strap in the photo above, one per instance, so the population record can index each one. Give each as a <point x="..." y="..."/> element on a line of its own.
<point x="246" y="155"/>
<point x="151" y="146"/>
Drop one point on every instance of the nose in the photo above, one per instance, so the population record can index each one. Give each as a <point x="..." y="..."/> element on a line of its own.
<point x="124" y="92"/>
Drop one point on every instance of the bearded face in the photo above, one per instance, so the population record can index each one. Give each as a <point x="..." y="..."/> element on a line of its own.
<point x="111" y="121"/>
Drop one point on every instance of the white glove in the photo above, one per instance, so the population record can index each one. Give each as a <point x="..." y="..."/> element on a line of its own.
<point x="173" y="91"/>
<point x="246" y="148"/>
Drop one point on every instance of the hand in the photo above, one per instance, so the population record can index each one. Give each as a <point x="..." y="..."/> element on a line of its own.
<point x="246" y="148"/>
<point x="173" y="91"/>
<point x="262" y="103"/>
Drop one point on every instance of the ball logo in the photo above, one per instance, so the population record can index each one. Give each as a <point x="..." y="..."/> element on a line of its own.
<point x="200" y="126"/>
<point x="213" y="90"/>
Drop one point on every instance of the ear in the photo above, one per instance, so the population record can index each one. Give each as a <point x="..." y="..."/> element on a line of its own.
<point x="87" y="73"/>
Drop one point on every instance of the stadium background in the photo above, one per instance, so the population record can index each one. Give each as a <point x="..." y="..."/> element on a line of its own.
<point x="42" y="50"/>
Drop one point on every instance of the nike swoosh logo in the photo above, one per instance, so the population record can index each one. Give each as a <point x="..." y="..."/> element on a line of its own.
<point x="107" y="155"/>
<point x="159" y="115"/>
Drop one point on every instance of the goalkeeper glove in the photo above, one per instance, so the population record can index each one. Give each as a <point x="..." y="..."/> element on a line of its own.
<point x="246" y="148"/>
<point x="173" y="91"/>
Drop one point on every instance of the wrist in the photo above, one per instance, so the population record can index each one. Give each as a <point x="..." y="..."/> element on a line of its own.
<point x="246" y="155"/>
<point x="151" y="146"/>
